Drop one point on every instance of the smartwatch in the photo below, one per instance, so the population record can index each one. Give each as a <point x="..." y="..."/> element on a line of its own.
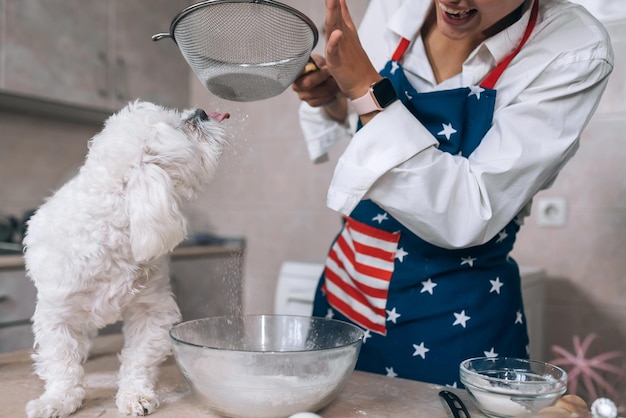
<point x="380" y="95"/>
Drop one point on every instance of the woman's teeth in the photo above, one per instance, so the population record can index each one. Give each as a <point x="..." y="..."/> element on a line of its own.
<point x="456" y="14"/>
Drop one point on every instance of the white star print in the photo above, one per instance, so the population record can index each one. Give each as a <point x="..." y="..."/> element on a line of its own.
<point x="468" y="260"/>
<point x="475" y="91"/>
<point x="461" y="319"/>
<point x="502" y="236"/>
<point x="400" y="253"/>
<point x="518" y="318"/>
<point x="390" y="372"/>
<point x="380" y="218"/>
<point x="447" y="131"/>
<point x="394" y="67"/>
<point x="428" y="286"/>
<point x="408" y="95"/>
<point x="366" y="334"/>
<point x="420" y="350"/>
<point x="392" y="315"/>
<point x="454" y="385"/>
<point x="329" y="314"/>
<point x="491" y="353"/>
<point x="496" y="285"/>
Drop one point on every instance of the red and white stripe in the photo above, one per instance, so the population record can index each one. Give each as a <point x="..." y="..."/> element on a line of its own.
<point x="358" y="271"/>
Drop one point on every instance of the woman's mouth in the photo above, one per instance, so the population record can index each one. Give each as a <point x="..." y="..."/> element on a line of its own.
<point x="456" y="14"/>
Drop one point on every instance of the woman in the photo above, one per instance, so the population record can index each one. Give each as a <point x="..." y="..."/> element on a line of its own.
<point x="477" y="107"/>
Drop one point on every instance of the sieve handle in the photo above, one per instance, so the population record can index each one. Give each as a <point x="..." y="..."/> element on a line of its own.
<point x="310" y="66"/>
<point x="160" y="36"/>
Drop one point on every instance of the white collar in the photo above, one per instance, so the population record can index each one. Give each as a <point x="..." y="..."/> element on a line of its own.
<point x="409" y="19"/>
<point x="504" y="43"/>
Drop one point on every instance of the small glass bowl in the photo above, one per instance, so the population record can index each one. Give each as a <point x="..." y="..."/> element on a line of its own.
<point x="512" y="387"/>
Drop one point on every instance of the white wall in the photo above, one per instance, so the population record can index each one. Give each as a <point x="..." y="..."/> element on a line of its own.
<point x="605" y="10"/>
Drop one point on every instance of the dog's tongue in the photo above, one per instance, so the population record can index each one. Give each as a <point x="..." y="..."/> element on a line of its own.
<point x="219" y="116"/>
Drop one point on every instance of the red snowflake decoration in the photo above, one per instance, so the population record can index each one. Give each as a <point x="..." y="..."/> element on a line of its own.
<point x="589" y="370"/>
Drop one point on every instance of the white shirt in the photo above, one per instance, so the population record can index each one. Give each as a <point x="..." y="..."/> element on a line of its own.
<point x="545" y="98"/>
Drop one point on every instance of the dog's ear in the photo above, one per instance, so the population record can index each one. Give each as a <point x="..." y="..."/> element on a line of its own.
<point x="157" y="224"/>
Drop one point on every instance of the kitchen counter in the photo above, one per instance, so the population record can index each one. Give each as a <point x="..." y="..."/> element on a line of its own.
<point x="365" y="395"/>
<point x="11" y="262"/>
<point x="228" y="246"/>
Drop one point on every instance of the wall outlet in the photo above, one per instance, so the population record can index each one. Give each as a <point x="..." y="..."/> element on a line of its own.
<point x="551" y="212"/>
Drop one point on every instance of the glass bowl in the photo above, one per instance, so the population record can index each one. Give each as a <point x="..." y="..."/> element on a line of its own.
<point x="512" y="387"/>
<point x="265" y="366"/>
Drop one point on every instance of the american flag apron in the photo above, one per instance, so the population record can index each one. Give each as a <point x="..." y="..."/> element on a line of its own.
<point x="424" y="309"/>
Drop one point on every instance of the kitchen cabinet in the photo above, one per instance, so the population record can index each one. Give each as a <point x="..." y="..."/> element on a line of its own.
<point x="91" y="53"/>
<point x="208" y="284"/>
<point x="17" y="304"/>
<point x="207" y="281"/>
<point x="155" y="71"/>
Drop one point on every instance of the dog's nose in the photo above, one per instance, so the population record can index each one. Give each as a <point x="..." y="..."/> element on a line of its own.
<point x="201" y="114"/>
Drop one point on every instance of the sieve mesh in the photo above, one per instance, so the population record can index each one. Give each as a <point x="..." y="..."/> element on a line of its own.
<point x="244" y="50"/>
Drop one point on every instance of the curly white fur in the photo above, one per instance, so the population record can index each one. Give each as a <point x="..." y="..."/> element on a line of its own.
<point x="97" y="252"/>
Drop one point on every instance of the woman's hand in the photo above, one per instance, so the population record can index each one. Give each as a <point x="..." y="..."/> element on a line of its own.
<point x="319" y="89"/>
<point x="345" y="72"/>
<point x="346" y="60"/>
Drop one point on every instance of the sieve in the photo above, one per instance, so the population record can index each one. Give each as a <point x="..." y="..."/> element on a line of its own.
<point x="244" y="50"/>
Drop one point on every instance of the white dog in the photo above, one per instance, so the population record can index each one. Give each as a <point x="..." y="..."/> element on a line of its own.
<point x="97" y="251"/>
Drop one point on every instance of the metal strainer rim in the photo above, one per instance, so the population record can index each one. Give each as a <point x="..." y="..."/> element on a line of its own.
<point x="202" y="4"/>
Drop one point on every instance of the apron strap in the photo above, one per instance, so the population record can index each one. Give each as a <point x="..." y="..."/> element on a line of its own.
<point x="400" y="50"/>
<point x="492" y="78"/>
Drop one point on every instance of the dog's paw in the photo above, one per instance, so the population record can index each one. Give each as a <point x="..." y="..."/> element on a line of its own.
<point x="52" y="407"/>
<point x="137" y="404"/>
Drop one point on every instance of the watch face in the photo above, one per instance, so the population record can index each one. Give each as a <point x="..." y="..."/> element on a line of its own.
<point x="384" y="92"/>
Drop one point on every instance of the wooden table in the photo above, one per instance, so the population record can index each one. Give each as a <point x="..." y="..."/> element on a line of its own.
<point x="365" y="395"/>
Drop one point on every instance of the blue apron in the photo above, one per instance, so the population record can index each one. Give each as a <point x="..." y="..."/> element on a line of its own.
<point x="424" y="308"/>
